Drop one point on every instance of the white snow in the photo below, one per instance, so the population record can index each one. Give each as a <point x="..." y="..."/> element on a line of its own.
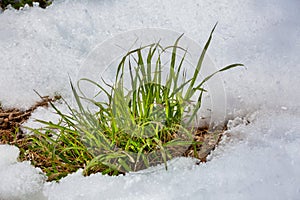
<point x="45" y="114"/>
<point x="18" y="180"/>
<point x="9" y="155"/>
<point x="39" y="49"/>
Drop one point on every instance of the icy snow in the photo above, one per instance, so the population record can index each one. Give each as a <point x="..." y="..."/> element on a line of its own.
<point x="18" y="180"/>
<point x="39" y="49"/>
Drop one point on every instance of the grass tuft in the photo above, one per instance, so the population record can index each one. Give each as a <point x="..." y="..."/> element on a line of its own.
<point x="139" y="126"/>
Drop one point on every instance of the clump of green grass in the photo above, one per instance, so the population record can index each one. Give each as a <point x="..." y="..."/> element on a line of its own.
<point x="138" y="126"/>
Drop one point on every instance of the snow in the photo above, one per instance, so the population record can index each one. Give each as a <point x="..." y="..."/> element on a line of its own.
<point x="19" y="180"/>
<point x="39" y="49"/>
<point x="8" y="158"/>
<point x="45" y="114"/>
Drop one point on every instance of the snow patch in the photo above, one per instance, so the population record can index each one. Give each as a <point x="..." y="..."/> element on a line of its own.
<point x="18" y="180"/>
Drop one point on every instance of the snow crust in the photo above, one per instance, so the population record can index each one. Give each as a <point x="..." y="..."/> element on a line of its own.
<point x="39" y="49"/>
